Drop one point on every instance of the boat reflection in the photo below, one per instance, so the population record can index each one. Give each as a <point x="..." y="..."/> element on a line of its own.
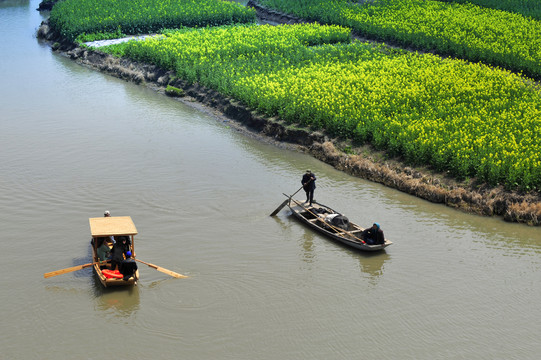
<point x="371" y="264"/>
<point x="308" y="249"/>
<point x="118" y="301"/>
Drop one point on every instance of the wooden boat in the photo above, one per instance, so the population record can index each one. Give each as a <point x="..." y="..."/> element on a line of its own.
<point x="102" y="230"/>
<point x="319" y="217"/>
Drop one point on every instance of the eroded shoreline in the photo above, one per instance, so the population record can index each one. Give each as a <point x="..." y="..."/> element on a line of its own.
<point x="360" y="162"/>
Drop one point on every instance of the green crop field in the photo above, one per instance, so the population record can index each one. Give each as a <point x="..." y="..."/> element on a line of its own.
<point x="468" y="119"/>
<point x="466" y="31"/>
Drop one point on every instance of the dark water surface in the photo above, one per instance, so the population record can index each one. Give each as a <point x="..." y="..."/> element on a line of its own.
<point x="74" y="142"/>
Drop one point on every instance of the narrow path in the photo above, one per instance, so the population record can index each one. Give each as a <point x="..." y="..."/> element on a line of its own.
<point x="100" y="43"/>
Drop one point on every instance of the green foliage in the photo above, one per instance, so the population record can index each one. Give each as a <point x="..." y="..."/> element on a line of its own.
<point x="465" y="31"/>
<point x="70" y="18"/>
<point x="174" y="91"/>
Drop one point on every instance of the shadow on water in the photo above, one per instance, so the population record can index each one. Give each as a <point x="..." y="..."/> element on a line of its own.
<point x="86" y="272"/>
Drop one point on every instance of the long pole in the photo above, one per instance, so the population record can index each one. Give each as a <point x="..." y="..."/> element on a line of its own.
<point x="285" y="202"/>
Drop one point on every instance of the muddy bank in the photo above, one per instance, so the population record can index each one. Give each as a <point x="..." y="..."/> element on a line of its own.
<point x="362" y="162"/>
<point x="46" y="5"/>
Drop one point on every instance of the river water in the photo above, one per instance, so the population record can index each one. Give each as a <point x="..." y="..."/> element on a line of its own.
<point x="75" y="142"/>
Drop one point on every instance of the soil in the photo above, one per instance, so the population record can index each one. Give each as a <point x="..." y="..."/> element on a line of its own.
<point x="359" y="161"/>
<point x="46" y="5"/>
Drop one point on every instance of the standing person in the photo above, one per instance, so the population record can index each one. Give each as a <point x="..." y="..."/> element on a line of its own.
<point x="309" y="185"/>
<point x="373" y="235"/>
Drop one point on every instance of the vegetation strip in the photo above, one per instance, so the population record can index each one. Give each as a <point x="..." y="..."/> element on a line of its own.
<point x="71" y="18"/>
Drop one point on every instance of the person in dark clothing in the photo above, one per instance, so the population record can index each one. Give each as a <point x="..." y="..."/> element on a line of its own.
<point x="373" y="235"/>
<point x="125" y="238"/>
<point x="118" y="251"/>
<point x="128" y="267"/>
<point x="103" y="251"/>
<point x="100" y="240"/>
<point x="309" y="185"/>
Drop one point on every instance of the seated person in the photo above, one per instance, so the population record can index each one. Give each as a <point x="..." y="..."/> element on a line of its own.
<point x="128" y="267"/>
<point x="117" y="253"/>
<point x="104" y="252"/>
<point x="126" y="238"/>
<point x="373" y="235"/>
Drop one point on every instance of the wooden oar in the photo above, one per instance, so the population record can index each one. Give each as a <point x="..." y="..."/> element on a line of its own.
<point x="165" y="271"/>
<point x="337" y="229"/>
<point x="70" y="269"/>
<point x="284" y="203"/>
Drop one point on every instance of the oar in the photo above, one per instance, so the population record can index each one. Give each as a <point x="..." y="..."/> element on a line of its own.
<point x="284" y="203"/>
<point x="70" y="269"/>
<point x="165" y="271"/>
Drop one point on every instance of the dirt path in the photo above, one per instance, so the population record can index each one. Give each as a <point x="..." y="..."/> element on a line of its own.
<point x="100" y="43"/>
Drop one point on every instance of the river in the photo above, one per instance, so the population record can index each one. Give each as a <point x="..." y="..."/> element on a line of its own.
<point x="75" y="142"/>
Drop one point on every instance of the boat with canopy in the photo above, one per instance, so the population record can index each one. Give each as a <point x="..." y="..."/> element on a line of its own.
<point x="105" y="231"/>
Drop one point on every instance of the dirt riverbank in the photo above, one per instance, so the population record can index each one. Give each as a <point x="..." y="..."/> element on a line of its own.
<point x="363" y="162"/>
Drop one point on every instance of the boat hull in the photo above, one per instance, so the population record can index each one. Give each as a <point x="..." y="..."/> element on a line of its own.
<point x="109" y="282"/>
<point x="310" y="216"/>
